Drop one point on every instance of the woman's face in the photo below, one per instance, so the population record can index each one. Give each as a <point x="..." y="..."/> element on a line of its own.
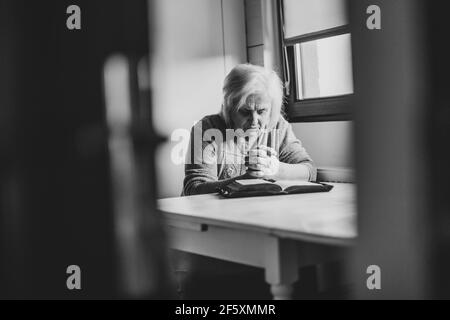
<point x="254" y="114"/>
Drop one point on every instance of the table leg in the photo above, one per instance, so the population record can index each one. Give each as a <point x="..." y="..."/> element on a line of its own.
<point x="180" y="265"/>
<point x="281" y="267"/>
<point x="281" y="291"/>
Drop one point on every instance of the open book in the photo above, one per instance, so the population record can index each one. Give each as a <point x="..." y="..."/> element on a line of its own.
<point x="261" y="187"/>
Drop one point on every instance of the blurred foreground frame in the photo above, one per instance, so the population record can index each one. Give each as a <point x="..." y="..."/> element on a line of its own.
<point x="64" y="152"/>
<point x="60" y="177"/>
<point x="402" y="130"/>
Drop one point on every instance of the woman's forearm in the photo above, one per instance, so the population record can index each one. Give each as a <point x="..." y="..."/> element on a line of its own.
<point x="286" y="171"/>
<point x="211" y="186"/>
<point x="295" y="171"/>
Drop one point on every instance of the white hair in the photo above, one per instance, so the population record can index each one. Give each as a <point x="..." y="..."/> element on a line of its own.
<point x="245" y="80"/>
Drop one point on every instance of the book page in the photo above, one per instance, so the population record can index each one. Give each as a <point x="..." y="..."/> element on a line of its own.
<point x="290" y="183"/>
<point x="247" y="182"/>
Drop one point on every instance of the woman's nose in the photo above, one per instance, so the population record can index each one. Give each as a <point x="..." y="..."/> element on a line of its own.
<point x="255" y="119"/>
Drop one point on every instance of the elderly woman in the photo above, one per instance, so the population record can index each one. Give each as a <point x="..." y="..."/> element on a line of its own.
<point x="249" y="138"/>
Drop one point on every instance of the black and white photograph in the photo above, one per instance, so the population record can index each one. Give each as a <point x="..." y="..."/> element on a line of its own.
<point x="222" y="154"/>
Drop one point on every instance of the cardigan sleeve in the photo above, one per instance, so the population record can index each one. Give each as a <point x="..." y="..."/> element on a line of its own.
<point x="201" y="161"/>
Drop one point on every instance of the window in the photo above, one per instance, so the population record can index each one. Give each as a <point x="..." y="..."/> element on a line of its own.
<point x="323" y="67"/>
<point x="317" y="60"/>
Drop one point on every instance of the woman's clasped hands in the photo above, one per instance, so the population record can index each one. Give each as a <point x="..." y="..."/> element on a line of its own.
<point x="262" y="162"/>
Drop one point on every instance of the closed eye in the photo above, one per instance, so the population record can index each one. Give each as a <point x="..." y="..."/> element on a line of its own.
<point x="244" y="112"/>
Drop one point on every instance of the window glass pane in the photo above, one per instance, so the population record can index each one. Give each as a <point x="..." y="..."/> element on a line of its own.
<point x="306" y="16"/>
<point x="324" y="67"/>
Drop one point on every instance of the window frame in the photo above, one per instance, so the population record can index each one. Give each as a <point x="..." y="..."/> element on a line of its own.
<point x="334" y="108"/>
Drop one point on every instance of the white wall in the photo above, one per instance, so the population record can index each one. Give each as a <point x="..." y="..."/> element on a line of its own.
<point x="197" y="43"/>
<point x="328" y="143"/>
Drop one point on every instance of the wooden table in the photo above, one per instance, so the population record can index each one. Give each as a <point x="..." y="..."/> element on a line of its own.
<point x="277" y="233"/>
